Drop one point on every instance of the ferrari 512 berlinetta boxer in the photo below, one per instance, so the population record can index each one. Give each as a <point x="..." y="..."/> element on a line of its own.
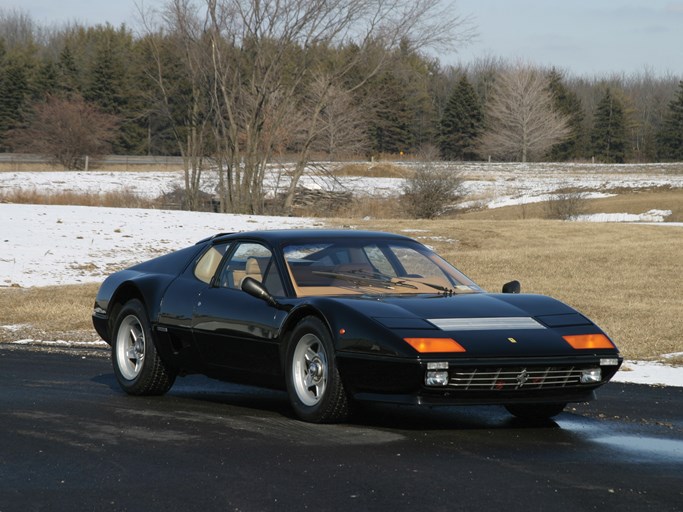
<point x="337" y="317"/>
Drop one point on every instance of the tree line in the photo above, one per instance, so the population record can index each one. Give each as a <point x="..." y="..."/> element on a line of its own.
<point x="231" y="85"/>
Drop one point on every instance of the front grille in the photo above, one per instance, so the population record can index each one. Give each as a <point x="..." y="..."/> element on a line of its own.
<point x="506" y="379"/>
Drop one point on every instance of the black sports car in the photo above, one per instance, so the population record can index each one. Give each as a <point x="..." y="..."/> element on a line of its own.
<point x="336" y="317"/>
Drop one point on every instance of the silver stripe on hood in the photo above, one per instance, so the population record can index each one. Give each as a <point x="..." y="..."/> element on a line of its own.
<point x="485" y="324"/>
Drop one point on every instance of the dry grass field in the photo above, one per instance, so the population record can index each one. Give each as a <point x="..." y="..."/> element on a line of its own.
<point x="632" y="201"/>
<point x="112" y="163"/>
<point x="120" y="199"/>
<point x="628" y="278"/>
<point x="47" y="313"/>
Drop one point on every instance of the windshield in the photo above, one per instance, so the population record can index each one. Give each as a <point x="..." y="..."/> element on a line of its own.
<point x="364" y="266"/>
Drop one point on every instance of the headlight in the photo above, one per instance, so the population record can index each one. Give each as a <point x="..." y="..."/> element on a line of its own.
<point x="437" y="374"/>
<point x="439" y="378"/>
<point x="591" y="376"/>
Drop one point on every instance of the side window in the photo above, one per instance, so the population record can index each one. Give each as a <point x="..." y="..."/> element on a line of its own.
<point x="208" y="263"/>
<point x="255" y="261"/>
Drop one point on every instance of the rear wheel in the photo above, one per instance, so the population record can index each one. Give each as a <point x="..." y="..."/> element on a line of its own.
<point x="314" y="385"/>
<point x="137" y="366"/>
<point x="535" y="411"/>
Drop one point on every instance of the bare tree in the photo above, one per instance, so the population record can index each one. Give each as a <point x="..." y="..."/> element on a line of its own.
<point x="17" y="28"/>
<point x="260" y="54"/>
<point x="177" y="71"/>
<point x="66" y="131"/>
<point x="342" y="122"/>
<point x="521" y="122"/>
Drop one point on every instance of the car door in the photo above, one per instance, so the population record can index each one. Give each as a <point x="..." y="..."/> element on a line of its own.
<point x="174" y="334"/>
<point x="233" y="330"/>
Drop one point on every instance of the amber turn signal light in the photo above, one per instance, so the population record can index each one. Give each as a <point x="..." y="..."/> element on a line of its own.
<point x="424" y="345"/>
<point x="588" y="341"/>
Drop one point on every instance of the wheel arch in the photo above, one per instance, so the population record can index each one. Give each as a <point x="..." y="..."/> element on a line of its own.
<point x="148" y="288"/>
<point x="291" y="322"/>
<point x="138" y="366"/>
<point x="124" y="293"/>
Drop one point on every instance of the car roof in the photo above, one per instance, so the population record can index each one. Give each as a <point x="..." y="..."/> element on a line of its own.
<point x="276" y="236"/>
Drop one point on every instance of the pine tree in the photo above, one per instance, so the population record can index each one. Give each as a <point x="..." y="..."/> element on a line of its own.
<point x="670" y="135"/>
<point x="390" y="127"/>
<point x="161" y="118"/>
<point x="398" y="99"/>
<point x="109" y="84"/>
<point x="14" y="93"/>
<point x="47" y="80"/>
<point x="417" y="74"/>
<point x="567" y="103"/>
<point x="104" y="88"/>
<point x="609" y="130"/>
<point x="462" y="123"/>
<point x="68" y="74"/>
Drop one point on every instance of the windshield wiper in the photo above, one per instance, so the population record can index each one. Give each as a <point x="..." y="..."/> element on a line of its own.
<point x="403" y="281"/>
<point x="361" y="278"/>
<point x="377" y="279"/>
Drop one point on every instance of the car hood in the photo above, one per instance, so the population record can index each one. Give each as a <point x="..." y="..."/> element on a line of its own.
<point x="478" y="305"/>
<point x="494" y="325"/>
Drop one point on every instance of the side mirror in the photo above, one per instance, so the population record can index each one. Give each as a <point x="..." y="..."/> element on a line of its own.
<point x="512" y="287"/>
<point x="258" y="290"/>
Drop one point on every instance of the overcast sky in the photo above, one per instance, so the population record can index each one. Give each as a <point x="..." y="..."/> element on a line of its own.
<point x="585" y="37"/>
<point x="582" y="37"/>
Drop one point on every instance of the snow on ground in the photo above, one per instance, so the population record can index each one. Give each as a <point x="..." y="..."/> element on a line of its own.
<point x="144" y="184"/>
<point x="648" y="372"/>
<point x="495" y="184"/>
<point x="495" y="191"/>
<point x="500" y="202"/>
<point x="54" y="245"/>
<point x="651" y="216"/>
<point x="523" y="183"/>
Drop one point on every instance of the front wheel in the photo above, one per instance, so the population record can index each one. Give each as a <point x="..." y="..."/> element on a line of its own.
<point x="535" y="411"/>
<point x="138" y="368"/>
<point x="314" y="385"/>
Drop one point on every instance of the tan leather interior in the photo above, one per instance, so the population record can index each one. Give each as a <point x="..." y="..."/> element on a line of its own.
<point x="207" y="266"/>
<point x="253" y="269"/>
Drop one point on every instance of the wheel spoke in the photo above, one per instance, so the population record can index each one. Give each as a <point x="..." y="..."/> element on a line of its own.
<point x="310" y="355"/>
<point x="308" y="381"/>
<point x="314" y="384"/>
<point x="310" y="369"/>
<point x="131" y="347"/>
<point x="131" y="354"/>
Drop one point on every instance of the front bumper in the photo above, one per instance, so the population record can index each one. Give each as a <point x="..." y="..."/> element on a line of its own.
<point x="476" y="381"/>
<point x="100" y="321"/>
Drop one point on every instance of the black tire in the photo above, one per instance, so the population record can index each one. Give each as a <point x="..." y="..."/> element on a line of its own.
<point x="137" y="365"/>
<point x="535" y="411"/>
<point x="314" y="385"/>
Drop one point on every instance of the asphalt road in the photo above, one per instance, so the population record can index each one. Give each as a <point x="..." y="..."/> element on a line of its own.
<point x="71" y="440"/>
